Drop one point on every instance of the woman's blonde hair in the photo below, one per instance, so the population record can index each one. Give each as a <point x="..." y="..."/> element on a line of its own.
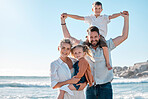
<point x="85" y="49"/>
<point x="65" y="41"/>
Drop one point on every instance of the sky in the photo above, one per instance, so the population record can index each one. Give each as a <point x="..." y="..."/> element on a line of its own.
<point x="30" y="31"/>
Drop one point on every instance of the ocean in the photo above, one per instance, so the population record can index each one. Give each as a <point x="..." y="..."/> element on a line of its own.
<point x="37" y="87"/>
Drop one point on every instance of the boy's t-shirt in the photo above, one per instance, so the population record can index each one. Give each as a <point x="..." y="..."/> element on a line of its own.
<point x="100" y="22"/>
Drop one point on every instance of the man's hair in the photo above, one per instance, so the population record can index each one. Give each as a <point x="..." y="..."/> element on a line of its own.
<point x="92" y="29"/>
<point x="97" y="3"/>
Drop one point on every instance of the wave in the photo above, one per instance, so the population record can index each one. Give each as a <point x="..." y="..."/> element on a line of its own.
<point x="117" y="81"/>
<point x="22" y="85"/>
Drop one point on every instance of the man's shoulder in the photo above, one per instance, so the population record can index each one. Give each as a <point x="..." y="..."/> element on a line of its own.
<point x="110" y="44"/>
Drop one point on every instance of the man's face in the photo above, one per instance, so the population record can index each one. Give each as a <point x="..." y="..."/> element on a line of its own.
<point x="97" y="9"/>
<point x="93" y="38"/>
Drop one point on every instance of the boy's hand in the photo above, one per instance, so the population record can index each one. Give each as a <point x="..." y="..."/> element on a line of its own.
<point x="65" y="14"/>
<point x="124" y="13"/>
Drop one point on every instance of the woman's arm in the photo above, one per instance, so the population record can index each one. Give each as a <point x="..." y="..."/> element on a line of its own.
<point x="71" y="81"/>
<point x="55" y="78"/>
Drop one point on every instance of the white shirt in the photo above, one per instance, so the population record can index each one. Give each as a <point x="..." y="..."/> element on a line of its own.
<point x="98" y="64"/>
<point x="60" y="72"/>
<point x="100" y="22"/>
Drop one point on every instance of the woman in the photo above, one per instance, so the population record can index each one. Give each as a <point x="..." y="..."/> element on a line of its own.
<point x="62" y="70"/>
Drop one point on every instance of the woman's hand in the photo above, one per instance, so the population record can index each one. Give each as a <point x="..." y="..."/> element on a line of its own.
<point x="82" y="86"/>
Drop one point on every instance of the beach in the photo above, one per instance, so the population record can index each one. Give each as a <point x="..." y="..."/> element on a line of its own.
<point x="36" y="87"/>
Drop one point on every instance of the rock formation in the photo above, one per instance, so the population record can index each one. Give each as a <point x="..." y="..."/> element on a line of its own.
<point x="136" y="71"/>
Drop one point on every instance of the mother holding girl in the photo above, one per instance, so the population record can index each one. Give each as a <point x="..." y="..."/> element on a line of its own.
<point x="65" y="67"/>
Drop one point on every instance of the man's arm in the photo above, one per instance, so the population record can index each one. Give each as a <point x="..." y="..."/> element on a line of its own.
<point x="118" y="40"/>
<point x="73" y="16"/>
<point x="114" y="15"/>
<point x="66" y="32"/>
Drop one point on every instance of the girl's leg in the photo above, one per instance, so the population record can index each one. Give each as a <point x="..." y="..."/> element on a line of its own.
<point x="61" y="95"/>
<point x="71" y="87"/>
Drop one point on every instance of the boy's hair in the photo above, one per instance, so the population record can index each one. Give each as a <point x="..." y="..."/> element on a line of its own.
<point x="85" y="49"/>
<point x="97" y="3"/>
<point x="65" y="41"/>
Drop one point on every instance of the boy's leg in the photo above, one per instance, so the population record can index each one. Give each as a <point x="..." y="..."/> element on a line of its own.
<point x="61" y="95"/>
<point x="105" y="51"/>
<point x="106" y="55"/>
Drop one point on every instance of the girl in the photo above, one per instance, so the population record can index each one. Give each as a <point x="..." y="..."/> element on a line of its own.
<point x="81" y="68"/>
<point x="61" y="71"/>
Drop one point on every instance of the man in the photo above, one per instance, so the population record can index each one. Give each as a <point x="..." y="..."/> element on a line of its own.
<point x="102" y="88"/>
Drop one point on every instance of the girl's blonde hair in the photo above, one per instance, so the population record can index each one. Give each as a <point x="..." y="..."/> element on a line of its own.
<point x="85" y="49"/>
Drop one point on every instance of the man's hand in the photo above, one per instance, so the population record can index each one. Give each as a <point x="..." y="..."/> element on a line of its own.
<point x="63" y="16"/>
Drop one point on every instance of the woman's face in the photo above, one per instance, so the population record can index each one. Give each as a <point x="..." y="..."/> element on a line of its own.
<point x="65" y="49"/>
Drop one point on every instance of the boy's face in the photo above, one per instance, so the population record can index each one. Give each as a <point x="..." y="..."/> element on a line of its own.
<point x="97" y="9"/>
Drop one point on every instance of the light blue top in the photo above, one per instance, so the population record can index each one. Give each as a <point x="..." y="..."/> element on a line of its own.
<point x="98" y="64"/>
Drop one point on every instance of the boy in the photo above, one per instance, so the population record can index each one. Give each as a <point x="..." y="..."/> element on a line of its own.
<point x="101" y="22"/>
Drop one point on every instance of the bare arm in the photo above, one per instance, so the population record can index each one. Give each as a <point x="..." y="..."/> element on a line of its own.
<point x="118" y="40"/>
<point x="74" y="16"/>
<point x="114" y="15"/>
<point x="66" y="32"/>
<point x="82" y="86"/>
<point x="71" y="81"/>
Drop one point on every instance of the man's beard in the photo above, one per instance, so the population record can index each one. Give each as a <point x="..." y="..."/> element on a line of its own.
<point x="95" y="44"/>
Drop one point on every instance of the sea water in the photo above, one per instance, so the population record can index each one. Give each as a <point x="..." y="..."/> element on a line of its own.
<point x="36" y="87"/>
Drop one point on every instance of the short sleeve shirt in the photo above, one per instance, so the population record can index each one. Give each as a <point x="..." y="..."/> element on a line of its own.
<point x="100" y="22"/>
<point x="98" y="64"/>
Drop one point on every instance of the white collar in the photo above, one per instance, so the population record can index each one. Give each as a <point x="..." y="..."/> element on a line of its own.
<point x="60" y="61"/>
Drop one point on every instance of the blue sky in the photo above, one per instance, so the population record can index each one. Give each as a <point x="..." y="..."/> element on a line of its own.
<point x="30" y="32"/>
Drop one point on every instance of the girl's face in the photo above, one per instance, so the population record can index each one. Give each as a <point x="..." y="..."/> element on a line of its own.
<point x="64" y="49"/>
<point x="78" y="52"/>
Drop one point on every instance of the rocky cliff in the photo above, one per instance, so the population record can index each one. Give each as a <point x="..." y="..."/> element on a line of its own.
<point x="139" y="70"/>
